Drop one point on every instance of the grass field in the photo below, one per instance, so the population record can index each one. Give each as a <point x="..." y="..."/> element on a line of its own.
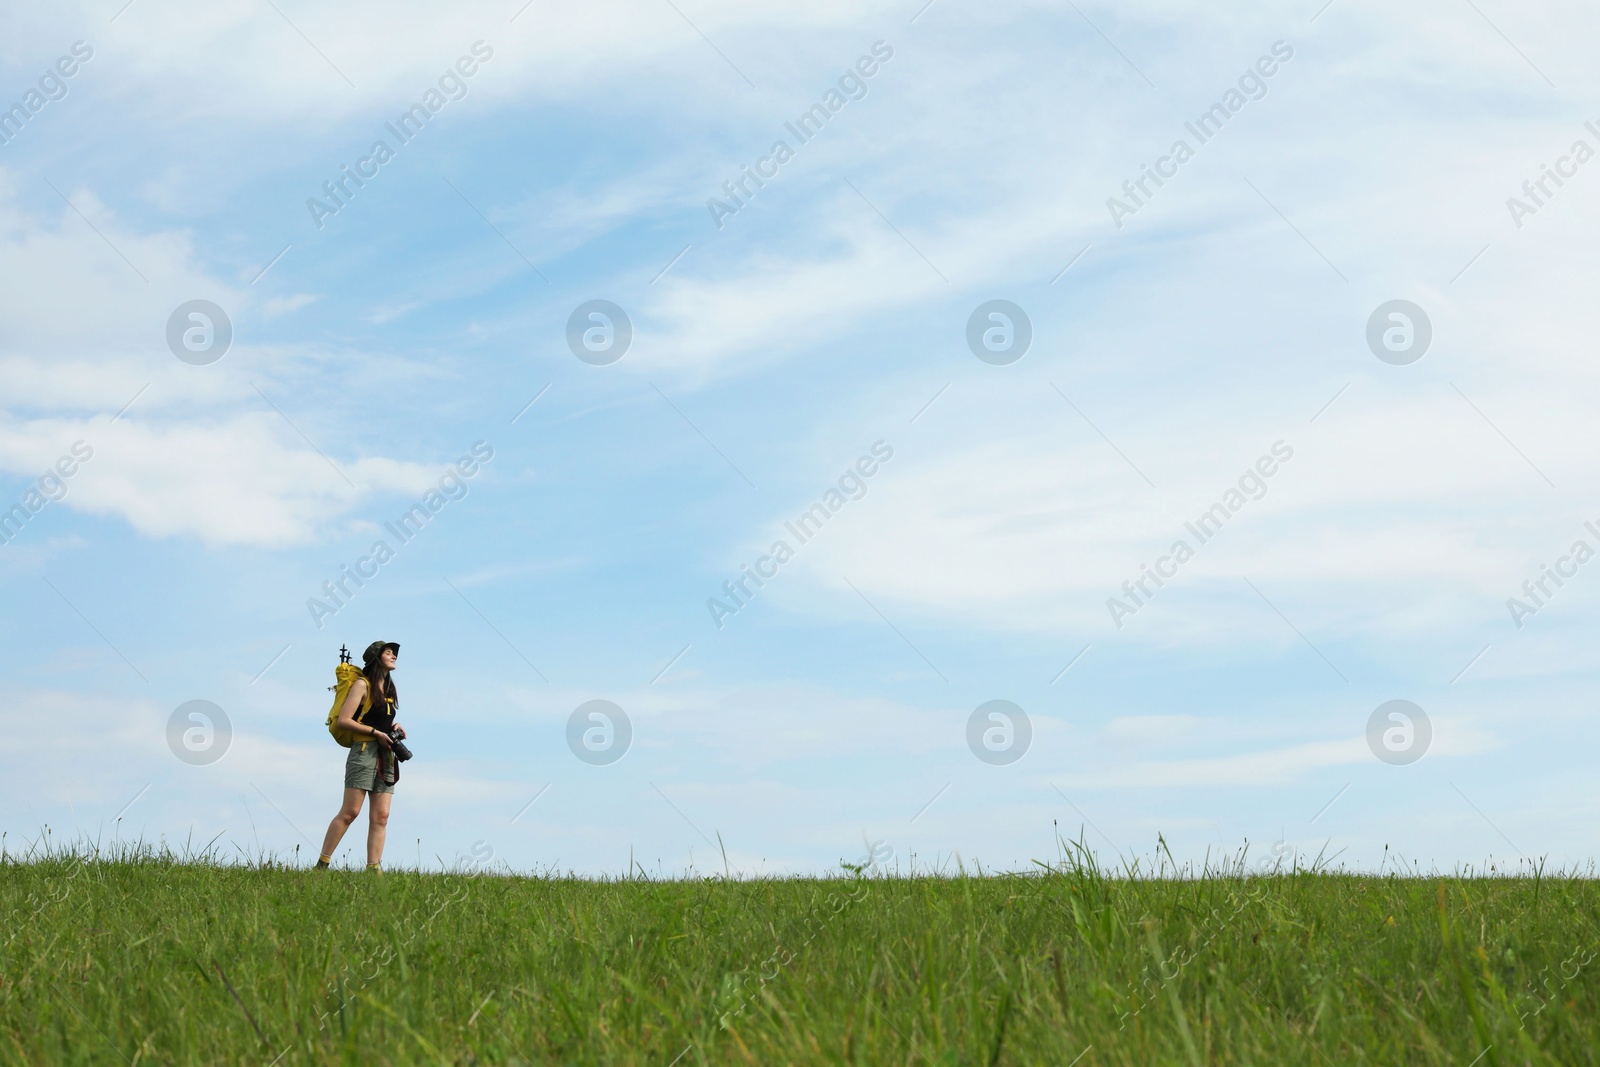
<point x="157" y="960"/>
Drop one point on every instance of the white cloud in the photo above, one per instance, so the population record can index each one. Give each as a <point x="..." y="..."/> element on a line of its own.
<point x="282" y="305"/>
<point x="1035" y="532"/>
<point x="225" y="481"/>
<point x="1151" y="730"/>
<point x="199" y="452"/>
<point x="1269" y="767"/>
<point x="309" y="64"/>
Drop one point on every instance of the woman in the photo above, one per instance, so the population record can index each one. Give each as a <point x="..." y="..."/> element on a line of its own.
<point x="368" y="713"/>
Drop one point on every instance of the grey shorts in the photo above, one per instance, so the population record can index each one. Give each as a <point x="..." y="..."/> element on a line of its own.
<point x="362" y="769"/>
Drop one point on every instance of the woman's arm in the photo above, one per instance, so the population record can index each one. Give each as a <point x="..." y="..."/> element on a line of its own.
<point x="352" y="704"/>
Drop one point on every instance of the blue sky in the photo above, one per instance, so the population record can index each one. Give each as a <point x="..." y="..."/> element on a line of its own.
<point x="1169" y="354"/>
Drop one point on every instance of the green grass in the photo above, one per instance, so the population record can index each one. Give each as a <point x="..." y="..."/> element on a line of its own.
<point x="149" y="959"/>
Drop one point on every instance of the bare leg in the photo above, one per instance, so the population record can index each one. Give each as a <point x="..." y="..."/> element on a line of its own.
<point x="341" y="822"/>
<point x="377" y="826"/>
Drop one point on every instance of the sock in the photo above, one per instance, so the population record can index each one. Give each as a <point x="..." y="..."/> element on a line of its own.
<point x="325" y="859"/>
<point x="374" y="867"/>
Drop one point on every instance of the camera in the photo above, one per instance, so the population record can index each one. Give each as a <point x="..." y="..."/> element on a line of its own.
<point x="397" y="749"/>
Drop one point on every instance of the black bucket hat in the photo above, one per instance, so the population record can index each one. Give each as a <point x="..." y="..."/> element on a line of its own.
<point x="377" y="648"/>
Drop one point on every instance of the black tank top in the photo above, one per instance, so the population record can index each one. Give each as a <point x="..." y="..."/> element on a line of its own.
<point x="381" y="715"/>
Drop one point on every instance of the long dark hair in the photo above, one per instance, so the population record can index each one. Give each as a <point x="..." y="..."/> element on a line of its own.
<point x="380" y="683"/>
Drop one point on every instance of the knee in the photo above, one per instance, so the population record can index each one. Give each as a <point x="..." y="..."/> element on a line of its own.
<point x="347" y="816"/>
<point x="379" y="818"/>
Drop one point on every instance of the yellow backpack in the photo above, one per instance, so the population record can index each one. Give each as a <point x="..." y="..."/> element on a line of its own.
<point x="345" y="674"/>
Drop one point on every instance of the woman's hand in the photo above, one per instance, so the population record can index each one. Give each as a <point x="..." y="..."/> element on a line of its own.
<point x="383" y="739"/>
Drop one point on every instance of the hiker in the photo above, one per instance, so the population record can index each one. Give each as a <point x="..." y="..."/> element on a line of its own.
<point x="371" y="766"/>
